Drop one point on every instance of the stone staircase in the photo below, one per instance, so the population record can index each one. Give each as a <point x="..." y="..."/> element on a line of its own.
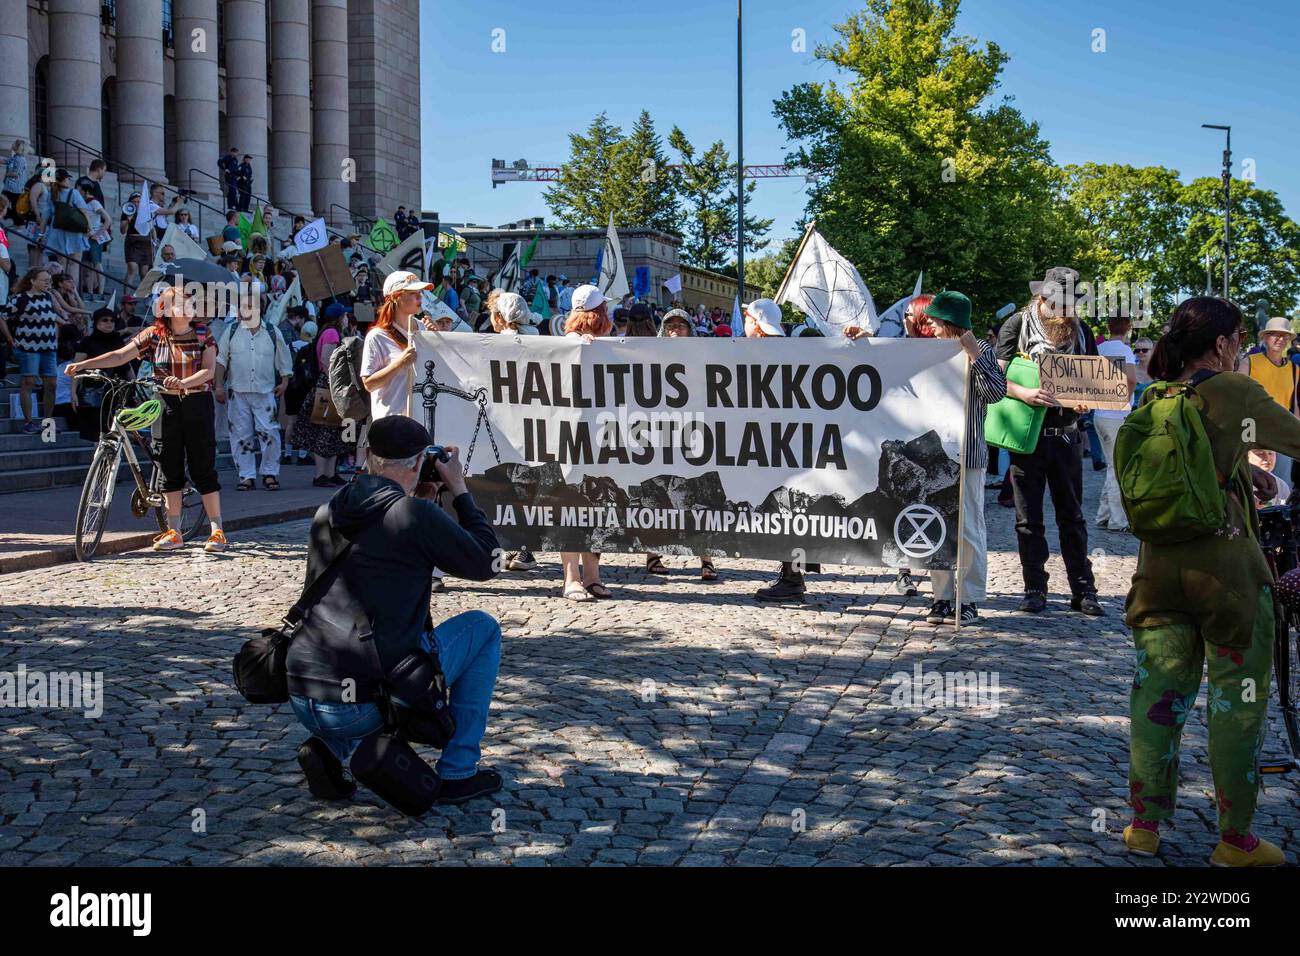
<point x="28" y="463"/>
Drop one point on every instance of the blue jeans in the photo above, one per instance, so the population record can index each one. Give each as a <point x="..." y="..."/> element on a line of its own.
<point x="469" y="650"/>
<point x="1094" y="441"/>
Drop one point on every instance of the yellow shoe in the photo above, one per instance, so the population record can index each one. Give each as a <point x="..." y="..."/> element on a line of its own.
<point x="1266" y="854"/>
<point x="1141" y="842"/>
<point x="216" y="541"/>
<point x="169" y="540"/>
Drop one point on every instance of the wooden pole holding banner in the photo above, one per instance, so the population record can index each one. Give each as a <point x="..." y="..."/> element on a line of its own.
<point x="780" y="290"/>
<point x="410" y="340"/>
<point x="961" y="490"/>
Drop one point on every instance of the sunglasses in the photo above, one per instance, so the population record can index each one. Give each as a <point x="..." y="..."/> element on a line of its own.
<point x="1141" y="351"/>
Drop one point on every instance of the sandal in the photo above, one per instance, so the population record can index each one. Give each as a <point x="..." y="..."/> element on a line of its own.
<point x="707" y="571"/>
<point x="655" y="565"/>
<point x="576" y="592"/>
<point x="270" y="483"/>
<point x="599" y="590"/>
<point x="245" y="485"/>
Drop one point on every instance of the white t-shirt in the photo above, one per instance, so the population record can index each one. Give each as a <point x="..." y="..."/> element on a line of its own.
<point x="390" y="399"/>
<point x="1115" y="348"/>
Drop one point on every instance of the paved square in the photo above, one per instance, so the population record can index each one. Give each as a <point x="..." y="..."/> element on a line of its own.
<point x="683" y="724"/>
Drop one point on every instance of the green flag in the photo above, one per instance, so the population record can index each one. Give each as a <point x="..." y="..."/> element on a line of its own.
<point x="541" y="304"/>
<point x="528" y="253"/>
<point x="245" y="230"/>
<point x="259" y="226"/>
<point x="383" y="237"/>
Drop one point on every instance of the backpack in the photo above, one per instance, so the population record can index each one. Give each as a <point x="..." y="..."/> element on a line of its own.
<point x="1165" y="467"/>
<point x="351" y="400"/>
<point x="305" y="368"/>
<point x="23" y="212"/>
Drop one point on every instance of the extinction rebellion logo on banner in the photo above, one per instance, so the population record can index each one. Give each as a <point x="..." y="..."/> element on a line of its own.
<point x="753" y="448"/>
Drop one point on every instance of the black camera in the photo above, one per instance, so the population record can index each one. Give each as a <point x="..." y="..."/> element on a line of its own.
<point x="432" y="454"/>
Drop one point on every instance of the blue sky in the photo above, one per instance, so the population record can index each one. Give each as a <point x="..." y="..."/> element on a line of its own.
<point x="1169" y="66"/>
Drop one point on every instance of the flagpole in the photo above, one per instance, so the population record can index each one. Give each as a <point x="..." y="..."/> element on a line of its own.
<point x="780" y="290"/>
<point x="961" y="492"/>
<point x="410" y="340"/>
<point x="740" y="157"/>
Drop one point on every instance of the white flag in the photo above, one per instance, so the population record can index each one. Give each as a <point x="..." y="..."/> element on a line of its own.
<point x="892" y="324"/>
<point x="613" y="277"/>
<point x="111" y="299"/>
<point x="674" y="284"/>
<point x="737" y="320"/>
<point x="144" y="212"/>
<point x="826" y="287"/>
<point x="408" y="256"/>
<point x="181" y="243"/>
<point x="312" y="236"/>
<point x="507" y="277"/>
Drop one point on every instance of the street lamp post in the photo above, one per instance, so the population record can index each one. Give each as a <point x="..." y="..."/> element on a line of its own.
<point x="740" y="159"/>
<point x="1227" y="205"/>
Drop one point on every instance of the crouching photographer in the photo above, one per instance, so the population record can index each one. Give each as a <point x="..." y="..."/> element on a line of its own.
<point x="367" y="650"/>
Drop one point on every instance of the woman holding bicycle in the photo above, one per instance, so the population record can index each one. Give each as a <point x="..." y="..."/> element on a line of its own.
<point x="1208" y="601"/>
<point x="184" y="360"/>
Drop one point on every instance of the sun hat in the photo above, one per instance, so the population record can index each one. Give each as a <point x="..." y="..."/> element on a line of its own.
<point x="402" y="281"/>
<point x="950" y="307"/>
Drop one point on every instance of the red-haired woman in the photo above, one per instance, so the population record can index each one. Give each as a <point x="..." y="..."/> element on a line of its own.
<point x="184" y="361"/>
<point x="588" y="320"/>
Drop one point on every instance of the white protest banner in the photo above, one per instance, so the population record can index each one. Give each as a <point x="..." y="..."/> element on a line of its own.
<point x="846" y="450"/>
<point x="408" y="257"/>
<point x="1093" y="380"/>
<point x="291" y="296"/>
<point x="613" y="277"/>
<point x="144" y="212"/>
<point x="311" y="237"/>
<point x="827" y="288"/>
<point x="184" y="246"/>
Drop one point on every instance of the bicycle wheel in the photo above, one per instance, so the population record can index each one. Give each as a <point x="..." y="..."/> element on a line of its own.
<point x="193" y="514"/>
<point x="1286" y="666"/>
<point x="96" y="499"/>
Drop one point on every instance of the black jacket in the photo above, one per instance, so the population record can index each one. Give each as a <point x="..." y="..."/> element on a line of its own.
<point x="378" y="606"/>
<point x="1008" y="347"/>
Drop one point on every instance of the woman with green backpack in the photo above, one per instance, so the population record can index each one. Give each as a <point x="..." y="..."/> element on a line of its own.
<point x="1202" y="595"/>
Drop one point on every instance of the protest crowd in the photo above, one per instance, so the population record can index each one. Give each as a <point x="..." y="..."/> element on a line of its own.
<point x="292" y="377"/>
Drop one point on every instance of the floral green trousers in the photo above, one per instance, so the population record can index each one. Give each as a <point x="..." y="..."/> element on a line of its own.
<point x="1170" y="662"/>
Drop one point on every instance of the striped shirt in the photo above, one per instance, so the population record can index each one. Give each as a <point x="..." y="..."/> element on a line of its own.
<point x="33" y="322"/>
<point x="986" y="384"/>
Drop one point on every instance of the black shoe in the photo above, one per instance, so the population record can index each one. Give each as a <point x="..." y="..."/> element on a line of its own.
<point x="904" y="584"/>
<point x="322" y="481"/>
<point x="480" y="785"/>
<point x="1087" y="604"/>
<point x="940" y="611"/>
<point x="438" y="586"/>
<point x="1035" y="602"/>
<point x="323" y="771"/>
<point x="970" y="615"/>
<point x="789" y="588"/>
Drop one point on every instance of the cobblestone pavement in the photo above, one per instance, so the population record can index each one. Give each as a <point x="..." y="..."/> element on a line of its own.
<point x="682" y="724"/>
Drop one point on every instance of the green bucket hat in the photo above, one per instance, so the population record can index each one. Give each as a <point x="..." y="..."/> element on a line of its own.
<point x="950" y="307"/>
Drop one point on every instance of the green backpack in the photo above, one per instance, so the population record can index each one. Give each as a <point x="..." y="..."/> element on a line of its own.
<point x="1165" y="467"/>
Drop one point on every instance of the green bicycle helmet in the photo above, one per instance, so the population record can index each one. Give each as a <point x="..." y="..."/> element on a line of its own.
<point x="142" y="416"/>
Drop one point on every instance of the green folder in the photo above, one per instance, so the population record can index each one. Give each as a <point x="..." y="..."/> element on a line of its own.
<point x="1010" y="423"/>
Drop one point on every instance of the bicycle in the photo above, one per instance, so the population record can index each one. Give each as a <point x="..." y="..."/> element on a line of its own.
<point x="1279" y="539"/>
<point x="116" y="441"/>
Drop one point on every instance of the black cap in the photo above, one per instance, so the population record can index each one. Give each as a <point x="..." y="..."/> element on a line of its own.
<point x="1059" y="284"/>
<point x="396" y="436"/>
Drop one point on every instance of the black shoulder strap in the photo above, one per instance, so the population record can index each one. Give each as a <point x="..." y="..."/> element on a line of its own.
<point x="316" y="590"/>
<point x="1201" y="376"/>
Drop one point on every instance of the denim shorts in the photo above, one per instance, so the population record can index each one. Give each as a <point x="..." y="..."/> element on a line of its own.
<point x="44" y="363"/>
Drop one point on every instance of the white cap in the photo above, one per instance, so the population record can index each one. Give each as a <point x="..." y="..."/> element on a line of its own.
<point x="766" y="314"/>
<point x="404" y="282"/>
<point x="587" y="297"/>
<point x="513" y="308"/>
<point x="439" y="310"/>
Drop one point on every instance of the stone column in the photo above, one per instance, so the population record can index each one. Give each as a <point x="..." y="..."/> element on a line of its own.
<point x="245" y="25"/>
<point x="75" y="89"/>
<point x="329" y="109"/>
<point x="198" y="114"/>
<point x="138" y="120"/>
<point x="291" y="106"/>
<point x="15" y="111"/>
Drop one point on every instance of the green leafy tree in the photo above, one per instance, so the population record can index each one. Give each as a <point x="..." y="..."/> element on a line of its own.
<point x="707" y="186"/>
<point x="587" y="190"/>
<point x="918" y="169"/>
<point x="641" y="169"/>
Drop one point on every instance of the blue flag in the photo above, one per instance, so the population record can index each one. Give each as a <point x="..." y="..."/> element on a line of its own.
<point x="641" y="284"/>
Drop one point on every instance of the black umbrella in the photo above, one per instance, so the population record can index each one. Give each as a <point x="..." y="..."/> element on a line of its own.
<point x="196" y="270"/>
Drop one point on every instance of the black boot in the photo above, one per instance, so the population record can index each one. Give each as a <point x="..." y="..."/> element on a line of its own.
<point x="789" y="586"/>
<point x="323" y="771"/>
<point x="480" y="785"/>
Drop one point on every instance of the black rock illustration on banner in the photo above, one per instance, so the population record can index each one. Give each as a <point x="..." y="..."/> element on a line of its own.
<point x="913" y="476"/>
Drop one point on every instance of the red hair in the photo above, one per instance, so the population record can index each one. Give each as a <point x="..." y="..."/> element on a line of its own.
<point x="594" y="322"/>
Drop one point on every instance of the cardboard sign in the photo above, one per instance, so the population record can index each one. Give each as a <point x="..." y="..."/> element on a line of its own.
<point x="324" y="273"/>
<point x="1092" y="380"/>
<point x="365" y="312"/>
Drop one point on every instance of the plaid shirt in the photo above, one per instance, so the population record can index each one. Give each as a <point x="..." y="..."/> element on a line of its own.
<point x="179" y="355"/>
